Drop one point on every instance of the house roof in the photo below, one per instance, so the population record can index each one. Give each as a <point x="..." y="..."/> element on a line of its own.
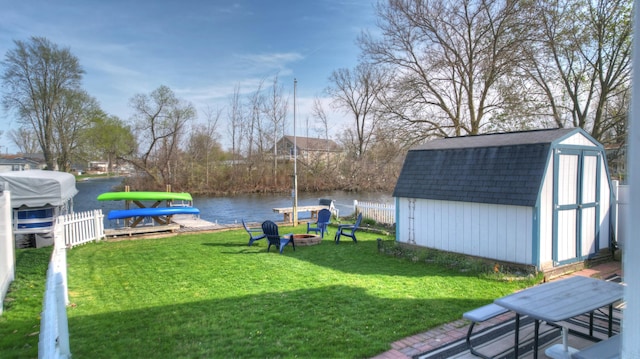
<point x="502" y="168"/>
<point x="17" y="161"/>
<point x="498" y="139"/>
<point x="313" y="144"/>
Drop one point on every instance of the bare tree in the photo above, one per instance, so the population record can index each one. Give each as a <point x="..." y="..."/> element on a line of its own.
<point x="253" y="127"/>
<point x="37" y="76"/>
<point x="320" y="114"/>
<point x="159" y="120"/>
<point x="448" y="59"/>
<point x="25" y="139"/>
<point x="275" y="108"/>
<point x="72" y="117"/>
<point x="203" y="142"/>
<point x="582" y="61"/>
<point x="356" y="93"/>
<point x="234" y="124"/>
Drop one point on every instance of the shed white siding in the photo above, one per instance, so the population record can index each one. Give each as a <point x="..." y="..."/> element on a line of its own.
<point x="484" y="230"/>
<point x="577" y="139"/>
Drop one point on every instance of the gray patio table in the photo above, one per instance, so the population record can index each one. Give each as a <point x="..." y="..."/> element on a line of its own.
<point x="560" y="300"/>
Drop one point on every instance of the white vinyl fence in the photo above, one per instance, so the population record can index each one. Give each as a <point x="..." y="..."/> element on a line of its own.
<point x="380" y="212"/>
<point x="54" y="329"/>
<point x="7" y="244"/>
<point x="81" y="227"/>
<point x="70" y="230"/>
<point x="621" y="210"/>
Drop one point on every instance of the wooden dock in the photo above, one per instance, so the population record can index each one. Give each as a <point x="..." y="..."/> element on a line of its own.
<point x="179" y="223"/>
<point x="288" y="211"/>
<point x="189" y="223"/>
<point x="142" y="230"/>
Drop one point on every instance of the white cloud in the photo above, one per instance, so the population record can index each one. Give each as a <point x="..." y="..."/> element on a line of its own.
<point x="268" y="62"/>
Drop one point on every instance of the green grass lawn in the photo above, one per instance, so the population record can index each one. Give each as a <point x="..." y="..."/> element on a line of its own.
<point x="20" y="321"/>
<point x="211" y="296"/>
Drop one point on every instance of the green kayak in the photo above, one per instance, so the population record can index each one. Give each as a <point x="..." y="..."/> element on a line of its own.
<point x="145" y="196"/>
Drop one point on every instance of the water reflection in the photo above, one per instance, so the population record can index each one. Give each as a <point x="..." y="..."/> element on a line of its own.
<point x="224" y="210"/>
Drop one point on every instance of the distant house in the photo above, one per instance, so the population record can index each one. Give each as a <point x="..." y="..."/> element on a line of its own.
<point x="19" y="163"/>
<point x="98" y="166"/>
<point x="308" y="149"/>
<point x="538" y="198"/>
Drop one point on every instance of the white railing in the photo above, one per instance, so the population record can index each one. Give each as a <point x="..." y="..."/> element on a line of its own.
<point x="379" y="212"/>
<point x="53" y="341"/>
<point x="7" y="244"/>
<point x="82" y="227"/>
<point x="70" y="230"/>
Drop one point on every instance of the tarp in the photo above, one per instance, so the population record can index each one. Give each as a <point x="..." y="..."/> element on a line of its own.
<point x="38" y="188"/>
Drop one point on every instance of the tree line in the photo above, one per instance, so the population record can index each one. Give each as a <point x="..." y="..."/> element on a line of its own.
<point x="432" y="68"/>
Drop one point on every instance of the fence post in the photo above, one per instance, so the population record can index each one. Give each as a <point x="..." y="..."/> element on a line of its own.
<point x="60" y="256"/>
<point x="97" y="215"/>
<point x="47" y="318"/>
<point x="355" y="206"/>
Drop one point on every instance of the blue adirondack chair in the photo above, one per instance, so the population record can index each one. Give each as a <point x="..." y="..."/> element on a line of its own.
<point x="254" y="233"/>
<point x="324" y="218"/>
<point x="348" y="230"/>
<point x="270" y="229"/>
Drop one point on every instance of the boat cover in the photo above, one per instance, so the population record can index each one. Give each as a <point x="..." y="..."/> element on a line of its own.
<point x="38" y="188"/>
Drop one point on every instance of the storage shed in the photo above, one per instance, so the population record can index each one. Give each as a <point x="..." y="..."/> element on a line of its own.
<point x="539" y="198"/>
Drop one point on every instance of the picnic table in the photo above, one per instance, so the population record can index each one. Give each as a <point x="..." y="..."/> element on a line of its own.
<point x="287" y="211"/>
<point x="557" y="301"/>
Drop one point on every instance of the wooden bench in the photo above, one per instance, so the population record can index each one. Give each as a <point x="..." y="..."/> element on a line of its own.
<point x="480" y="315"/>
<point x="606" y="349"/>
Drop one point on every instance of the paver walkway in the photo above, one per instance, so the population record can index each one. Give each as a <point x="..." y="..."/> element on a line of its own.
<point x="408" y="347"/>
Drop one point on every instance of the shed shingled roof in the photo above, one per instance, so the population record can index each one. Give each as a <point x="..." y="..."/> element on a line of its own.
<point x="502" y="168"/>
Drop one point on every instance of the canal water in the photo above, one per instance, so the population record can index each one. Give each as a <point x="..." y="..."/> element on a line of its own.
<point x="226" y="210"/>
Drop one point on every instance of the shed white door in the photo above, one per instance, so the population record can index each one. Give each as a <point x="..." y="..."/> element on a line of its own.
<point x="576" y="205"/>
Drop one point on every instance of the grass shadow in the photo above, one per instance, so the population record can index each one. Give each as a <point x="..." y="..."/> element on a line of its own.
<point x="307" y="323"/>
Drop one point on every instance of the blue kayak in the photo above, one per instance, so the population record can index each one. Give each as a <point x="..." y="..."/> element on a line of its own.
<point x="151" y="212"/>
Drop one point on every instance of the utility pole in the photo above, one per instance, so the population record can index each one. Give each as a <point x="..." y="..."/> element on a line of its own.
<point x="295" y="160"/>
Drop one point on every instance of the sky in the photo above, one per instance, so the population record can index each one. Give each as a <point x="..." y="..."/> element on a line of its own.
<point x="202" y="50"/>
